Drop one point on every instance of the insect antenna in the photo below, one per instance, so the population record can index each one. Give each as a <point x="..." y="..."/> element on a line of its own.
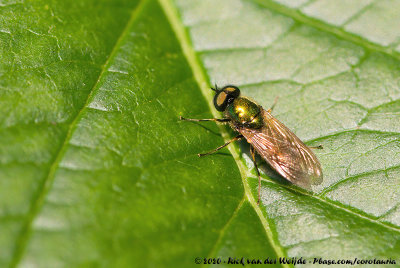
<point x="215" y="88"/>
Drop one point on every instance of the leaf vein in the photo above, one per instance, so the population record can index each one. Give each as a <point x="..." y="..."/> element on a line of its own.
<point x="201" y="79"/>
<point x="37" y="202"/>
<point x="335" y="205"/>
<point x="213" y="251"/>
<point x="325" y="27"/>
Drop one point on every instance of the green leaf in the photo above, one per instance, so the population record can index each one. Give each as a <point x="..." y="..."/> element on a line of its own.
<point x="334" y="89"/>
<point x="97" y="170"/>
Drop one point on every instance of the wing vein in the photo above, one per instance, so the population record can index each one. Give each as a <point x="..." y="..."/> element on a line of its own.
<point x="284" y="151"/>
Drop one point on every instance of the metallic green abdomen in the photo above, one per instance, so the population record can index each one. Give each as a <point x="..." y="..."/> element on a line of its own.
<point x="245" y="112"/>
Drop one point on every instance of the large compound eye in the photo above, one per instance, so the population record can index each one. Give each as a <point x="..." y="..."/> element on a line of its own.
<point x="224" y="96"/>
<point x="220" y="101"/>
<point x="232" y="91"/>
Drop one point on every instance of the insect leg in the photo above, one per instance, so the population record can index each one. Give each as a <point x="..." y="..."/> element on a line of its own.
<point x="253" y="155"/>
<point x="238" y="137"/>
<point x="200" y="120"/>
<point x="273" y="105"/>
<point x="317" y="147"/>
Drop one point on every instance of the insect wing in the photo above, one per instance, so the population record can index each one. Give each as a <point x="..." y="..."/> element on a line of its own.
<point x="284" y="151"/>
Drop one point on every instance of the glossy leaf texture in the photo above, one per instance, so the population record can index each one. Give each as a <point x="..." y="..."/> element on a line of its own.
<point x="97" y="170"/>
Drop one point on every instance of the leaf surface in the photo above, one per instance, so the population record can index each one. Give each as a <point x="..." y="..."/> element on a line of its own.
<point x="97" y="170"/>
<point x="335" y="88"/>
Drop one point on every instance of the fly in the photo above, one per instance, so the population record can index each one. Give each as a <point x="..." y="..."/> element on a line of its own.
<point x="272" y="140"/>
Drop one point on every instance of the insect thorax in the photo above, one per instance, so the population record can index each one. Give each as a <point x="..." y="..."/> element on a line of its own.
<point x="244" y="112"/>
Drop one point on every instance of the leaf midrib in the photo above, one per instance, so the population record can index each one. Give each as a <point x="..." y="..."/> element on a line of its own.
<point x="37" y="203"/>
<point x="200" y="77"/>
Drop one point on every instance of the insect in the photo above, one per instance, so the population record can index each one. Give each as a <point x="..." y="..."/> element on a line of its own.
<point x="272" y="140"/>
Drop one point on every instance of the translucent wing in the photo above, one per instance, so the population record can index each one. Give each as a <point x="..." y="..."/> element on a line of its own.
<point x="284" y="151"/>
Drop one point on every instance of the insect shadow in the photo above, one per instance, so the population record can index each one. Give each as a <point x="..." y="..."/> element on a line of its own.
<point x="262" y="165"/>
<point x="206" y="128"/>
